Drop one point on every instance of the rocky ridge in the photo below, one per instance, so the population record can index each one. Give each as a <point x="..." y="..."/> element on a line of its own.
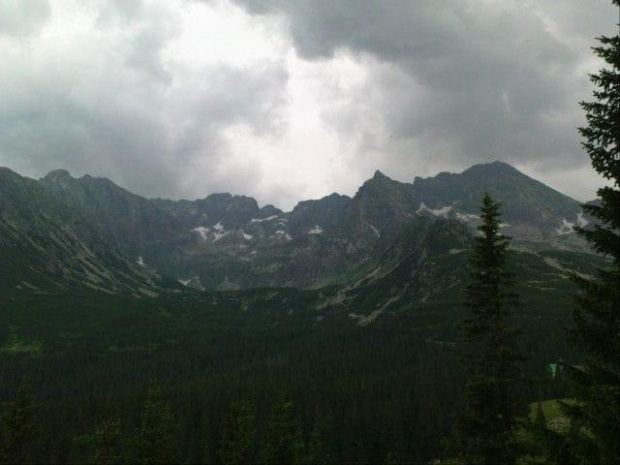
<point x="228" y="242"/>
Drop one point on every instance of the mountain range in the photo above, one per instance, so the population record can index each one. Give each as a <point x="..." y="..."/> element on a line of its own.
<point x="229" y="242"/>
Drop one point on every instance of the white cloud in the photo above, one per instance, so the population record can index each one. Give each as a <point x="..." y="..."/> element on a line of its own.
<point x="142" y="95"/>
<point x="20" y="18"/>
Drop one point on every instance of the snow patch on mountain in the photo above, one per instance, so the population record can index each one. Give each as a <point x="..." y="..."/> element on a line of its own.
<point x="316" y="230"/>
<point x="565" y="228"/>
<point x="283" y="234"/>
<point x="192" y="282"/>
<point x="581" y="221"/>
<point x="140" y="262"/>
<point x="443" y="211"/>
<point x="247" y="237"/>
<point x="216" y="233"/>
<point x="204" y="232"/>
<point x="466" y="217"/>
<point x="260" y="220"/>
<point x="568" y="227"/>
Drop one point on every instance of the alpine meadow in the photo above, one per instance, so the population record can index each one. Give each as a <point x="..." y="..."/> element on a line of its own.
<point x="404" y="246"/>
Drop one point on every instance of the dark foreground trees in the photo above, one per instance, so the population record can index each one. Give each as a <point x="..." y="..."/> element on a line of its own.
<point x="19" y="430"/>
<point x="486" y="429"/>
<point x="239" y="442"/>
<point x="102" y="446"/>
<point x="155" y="441"/>
<point x="284" y="442"/>
<point x="597" y="317"/>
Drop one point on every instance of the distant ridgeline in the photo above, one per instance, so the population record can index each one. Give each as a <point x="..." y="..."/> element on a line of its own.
<point x="226" y="242"/>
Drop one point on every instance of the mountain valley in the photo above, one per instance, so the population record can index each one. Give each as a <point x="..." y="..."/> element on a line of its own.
<point x="102" y="289"/>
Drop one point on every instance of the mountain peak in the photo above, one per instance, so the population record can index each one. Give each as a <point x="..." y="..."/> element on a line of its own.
<point x="379" y="175"/>
<point x="380" y="180"/>
<point x="7" y="171"/>
<point x="493" y="167"/>
<point x="58" y="175"/>
<point x="380" y="186"/>
<point x="500" y="165"/>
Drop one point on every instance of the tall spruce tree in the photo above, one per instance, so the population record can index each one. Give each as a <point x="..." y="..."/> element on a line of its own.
<point x="317" y="451"/>
<point x="284" y="442"/>
<point x="239" y="438"/>
<point x="102" y="445"/>
<point x="155" y="441"/>
<point x="597" y="316"/>
<point x="492" y="361"/>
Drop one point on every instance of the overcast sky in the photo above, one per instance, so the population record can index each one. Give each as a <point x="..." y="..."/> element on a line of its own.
<point x="292" y="99"/>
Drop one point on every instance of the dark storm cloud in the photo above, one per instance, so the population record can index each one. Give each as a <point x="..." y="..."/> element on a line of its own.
<point x="457" y="82"/>
<point x="105" y="98"/>
<point x="142" y="138"/>
<point x="119" y="88"/>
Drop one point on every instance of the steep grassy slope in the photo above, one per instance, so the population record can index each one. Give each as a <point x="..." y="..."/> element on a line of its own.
<point x="44" y="244"/>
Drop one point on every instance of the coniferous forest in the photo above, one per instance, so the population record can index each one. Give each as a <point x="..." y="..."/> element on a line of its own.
<point x="447" y="343"/>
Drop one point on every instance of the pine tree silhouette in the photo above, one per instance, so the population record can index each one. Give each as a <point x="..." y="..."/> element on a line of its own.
<point x="284" y="442"/>
<point x="239" y="438"/>
<point x="597" y="316"/>
<point x="491" y="357"/>
<point x="155" y="441"/>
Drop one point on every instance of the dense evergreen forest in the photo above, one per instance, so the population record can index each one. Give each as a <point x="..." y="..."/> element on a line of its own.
<point x="370" y="393"/>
